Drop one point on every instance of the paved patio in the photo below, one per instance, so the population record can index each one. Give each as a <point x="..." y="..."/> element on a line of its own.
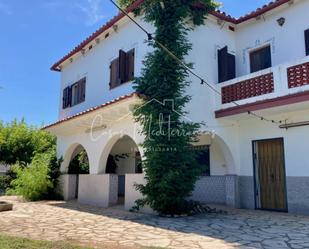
<point x="96" y="226"/>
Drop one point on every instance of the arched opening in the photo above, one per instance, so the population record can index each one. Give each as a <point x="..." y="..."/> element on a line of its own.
<point x="215" y="154"/>
<point x="78" y="164"/>
<point x="219" y="185"/>
<point x="124" y="158"/>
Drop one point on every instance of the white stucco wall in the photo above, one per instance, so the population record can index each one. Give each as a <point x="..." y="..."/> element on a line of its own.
<point x="94" y="65"/>
<point x="67" y="186"/>
<point x="98" y="190"/>
<point x="232" y="152"/>
<point x="206" y="40"/>
<point x="296" y="143"/>
<point x="99" y="149"/>
<point x="287" y="42"/>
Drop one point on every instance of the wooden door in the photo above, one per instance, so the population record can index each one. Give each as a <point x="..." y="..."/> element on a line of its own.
<point x="270" y="174"/>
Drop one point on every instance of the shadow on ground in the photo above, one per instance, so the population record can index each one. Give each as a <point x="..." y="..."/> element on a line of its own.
<point x="237" y="228"/>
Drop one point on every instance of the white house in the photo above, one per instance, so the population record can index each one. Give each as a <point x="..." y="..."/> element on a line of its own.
<point x="260" y="65"/>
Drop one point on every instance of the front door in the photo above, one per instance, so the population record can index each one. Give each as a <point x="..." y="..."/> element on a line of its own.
<point x="270" y="174"/>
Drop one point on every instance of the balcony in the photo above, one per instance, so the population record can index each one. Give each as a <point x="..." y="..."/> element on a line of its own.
<point x="280" y="85"/>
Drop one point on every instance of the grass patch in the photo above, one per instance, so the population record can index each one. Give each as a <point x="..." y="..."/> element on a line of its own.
<point x="8" y="242"/>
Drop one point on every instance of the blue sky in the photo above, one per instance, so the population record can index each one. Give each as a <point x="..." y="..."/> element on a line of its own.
<point x="35" y="34"/>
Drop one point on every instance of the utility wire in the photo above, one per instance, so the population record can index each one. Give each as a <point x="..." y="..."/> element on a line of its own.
<point x="186" y="67"/>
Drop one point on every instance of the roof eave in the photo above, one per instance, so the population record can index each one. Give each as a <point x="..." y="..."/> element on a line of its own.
<point x="137" y="3"/>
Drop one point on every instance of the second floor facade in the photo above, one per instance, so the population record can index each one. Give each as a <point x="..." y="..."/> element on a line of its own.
<point x="261" y="56"/>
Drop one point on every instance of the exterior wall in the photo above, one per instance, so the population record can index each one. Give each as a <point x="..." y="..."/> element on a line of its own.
<point x="95" y="67"/>
<point x="231" y="147"/>
<point x="217" y="190"/>
<point x="206" y="40"/>
<point x="68" y="186"/>
<point x="257" y="130"/>
<point x="131" y="194"/>
<point x="257" y="33"/>
<point x="98" y="190"/>
<point x="296" y="142"/>
<point x="99" y="149"/>
<point x="246" y="192"/>
<point x="210" y="190"/>
<point x="297" y="194"/>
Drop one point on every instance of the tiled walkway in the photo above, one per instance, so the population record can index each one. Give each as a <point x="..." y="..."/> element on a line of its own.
<point x="96" y="226"/>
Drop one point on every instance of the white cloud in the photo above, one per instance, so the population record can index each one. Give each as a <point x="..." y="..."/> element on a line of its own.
<point x="4" y="8"/>
<point x="92" y="10"/>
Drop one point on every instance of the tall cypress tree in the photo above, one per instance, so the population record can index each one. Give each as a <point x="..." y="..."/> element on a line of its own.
<point x="170" y="166"/>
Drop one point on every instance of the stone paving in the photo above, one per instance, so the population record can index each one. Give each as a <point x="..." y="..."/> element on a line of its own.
<point x="96" y="226"/>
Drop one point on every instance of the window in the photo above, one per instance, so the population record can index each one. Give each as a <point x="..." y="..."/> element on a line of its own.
<point x="307" y="41"/>
<point x="66" y="99"/>
<point x="226" y="65"/>
<point x="74" y="94"/>
<point x="122" y="68"/>
<point x="260" y="59"/>
<point x="203" y="158"/>
<point x="78" y="92"/>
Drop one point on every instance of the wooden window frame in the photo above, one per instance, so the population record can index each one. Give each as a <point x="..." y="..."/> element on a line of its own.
<point x="125" y="71"/>
<point x="69" y="97"/>
<point x="253" y="51"/>
<point x="79" y="96"/>
<point x="66" y="99"/>
<point x="226" y="66"/>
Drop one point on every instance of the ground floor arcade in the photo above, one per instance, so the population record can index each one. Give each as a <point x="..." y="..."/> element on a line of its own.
<point x="252" y="164"/>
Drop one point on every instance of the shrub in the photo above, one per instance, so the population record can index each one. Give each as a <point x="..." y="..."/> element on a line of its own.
<point x="19" y="142"/>
<point x="32" y="182"/>
<point x="27" y="146"/>
<point x="171" y="169"/>
<point x="5" y="180"/>
<point x="79" y="164"/>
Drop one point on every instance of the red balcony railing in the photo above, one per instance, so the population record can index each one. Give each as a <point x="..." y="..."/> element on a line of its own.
<point x="253" y="87"/>
<point x="298" y="75"/>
